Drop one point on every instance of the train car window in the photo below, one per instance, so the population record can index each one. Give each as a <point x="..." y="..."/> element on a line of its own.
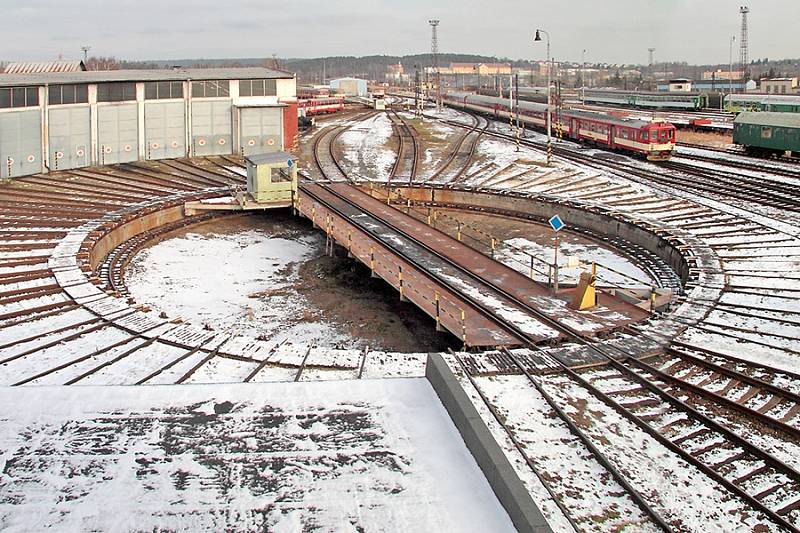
<point x="645" y="136"/>
<point x="766" y="132"/>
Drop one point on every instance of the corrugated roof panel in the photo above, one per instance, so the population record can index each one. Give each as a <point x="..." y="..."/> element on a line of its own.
<point x="39" y="67"/>
<point x="55" y="78"/>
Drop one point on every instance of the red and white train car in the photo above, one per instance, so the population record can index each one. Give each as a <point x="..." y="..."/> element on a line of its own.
<point x="655" y="140"/>
<point x="320" y="106"/>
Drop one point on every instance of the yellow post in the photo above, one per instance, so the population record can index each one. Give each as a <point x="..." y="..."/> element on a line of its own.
<point x="586" y="295"/>
<point x="494" y="245"/>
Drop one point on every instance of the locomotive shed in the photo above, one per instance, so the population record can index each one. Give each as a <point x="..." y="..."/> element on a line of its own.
<point x="548" y="419"/>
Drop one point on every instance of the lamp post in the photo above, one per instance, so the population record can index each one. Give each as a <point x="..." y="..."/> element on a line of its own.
<point x="730" y="65"/>
<point x="538" y="38"/>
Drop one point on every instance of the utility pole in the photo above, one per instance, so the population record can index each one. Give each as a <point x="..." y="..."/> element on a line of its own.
<point x="85" y="49"/>
<point x="516" y="105"/>
<point x="435" y="53"/>
<point x="417" y="95"/>
<point x="549" y="110"/>
<point x="650" y="51"/>
<point x="743" y="52"/>
<point x="730" y="65"/>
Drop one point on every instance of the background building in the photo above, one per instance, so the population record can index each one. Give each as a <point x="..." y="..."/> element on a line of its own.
<point x="349" y="86"/>
<point x="779" y="86"/>
<point x="55" y="121"/>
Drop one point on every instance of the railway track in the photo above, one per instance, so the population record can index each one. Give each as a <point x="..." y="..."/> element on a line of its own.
<point x="407" y="162"/>
<point x="324" y="149"/>
<point x="746" y="466"/>
<point x="170" y="356"/>
<point x="463" y="153"/>
<point x="729" y="187"/>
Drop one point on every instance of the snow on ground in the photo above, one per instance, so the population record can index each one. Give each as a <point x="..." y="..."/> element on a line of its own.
<point x="365" y="151"/>
<point x="233" y="281"/>
<point x="368" y="456"/>
<point x="518" y="258"/>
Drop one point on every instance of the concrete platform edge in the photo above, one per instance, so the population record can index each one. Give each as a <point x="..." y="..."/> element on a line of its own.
<point x="507" y="486"/>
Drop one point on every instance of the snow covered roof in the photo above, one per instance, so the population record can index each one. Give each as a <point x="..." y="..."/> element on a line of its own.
<point x="766" y="118"/>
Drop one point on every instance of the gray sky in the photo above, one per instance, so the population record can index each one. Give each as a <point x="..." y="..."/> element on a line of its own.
<point x="611" y="30"/>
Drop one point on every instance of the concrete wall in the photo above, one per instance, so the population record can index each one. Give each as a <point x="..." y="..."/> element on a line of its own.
<point x="499" y="472"/>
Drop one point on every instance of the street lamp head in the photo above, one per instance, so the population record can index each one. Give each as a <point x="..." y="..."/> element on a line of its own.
<point x="537" y="37"/>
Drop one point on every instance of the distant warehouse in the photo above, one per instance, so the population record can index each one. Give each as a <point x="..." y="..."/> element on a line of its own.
<point x="56" y="121"/>
<point x="349" y="86"/>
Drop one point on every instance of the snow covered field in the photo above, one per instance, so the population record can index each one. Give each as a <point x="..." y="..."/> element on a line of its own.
<point x="369" y="456"/>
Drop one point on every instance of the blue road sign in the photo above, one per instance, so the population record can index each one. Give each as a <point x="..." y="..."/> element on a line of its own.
<point x="290" y="163"/>
<point x="556" y="223"/>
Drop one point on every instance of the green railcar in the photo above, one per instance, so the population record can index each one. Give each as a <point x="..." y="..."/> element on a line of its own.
<point x="768" y="133"/>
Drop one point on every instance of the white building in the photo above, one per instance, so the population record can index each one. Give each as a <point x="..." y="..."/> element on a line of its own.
<point x="58" y="121"/>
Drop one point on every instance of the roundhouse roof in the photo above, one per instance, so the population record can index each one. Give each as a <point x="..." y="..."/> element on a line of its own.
<point x="766" y="118"/>
<point x="105" y="76"/>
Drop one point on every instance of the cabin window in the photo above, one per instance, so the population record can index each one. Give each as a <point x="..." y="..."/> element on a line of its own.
<point x="645" y="136"/>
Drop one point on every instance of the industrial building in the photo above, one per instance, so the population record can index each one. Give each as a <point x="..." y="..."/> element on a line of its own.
<point x="56" y="121"/>
<point x="349" y="86"/>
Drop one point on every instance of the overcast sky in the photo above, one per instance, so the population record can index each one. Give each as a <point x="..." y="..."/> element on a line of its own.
<point x="614" y="31"/>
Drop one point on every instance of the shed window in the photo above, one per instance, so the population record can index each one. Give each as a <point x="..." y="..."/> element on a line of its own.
<point x="116" y="92"/>
<point x="163" y="90"/>
<point x="19" y="97"/>
<point x="211" y="89"/>
<point x="68" y="94"/>
<point x="257" y="88"/>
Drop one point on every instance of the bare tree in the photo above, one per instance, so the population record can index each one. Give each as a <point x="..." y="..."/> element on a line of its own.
<point x="102" y="63"/>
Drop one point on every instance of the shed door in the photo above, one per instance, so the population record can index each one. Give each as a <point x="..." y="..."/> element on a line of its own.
<point x="164" y="130"/>
<point x="20" y="143"/>
<point x="261" y="130"/>
<point x="70" y="137"/>
<point x="117" y="134"/>
<point x="211" y="127"/>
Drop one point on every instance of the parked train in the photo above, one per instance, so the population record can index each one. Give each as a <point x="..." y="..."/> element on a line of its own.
<point x="655" y="140"/>
<point x="766" y="134"/>
<point x="319" y="106"/>
<point x="778" y="103"/>
<point x="645" y="100"/>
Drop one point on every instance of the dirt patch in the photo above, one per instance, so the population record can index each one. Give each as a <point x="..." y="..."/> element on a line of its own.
<point x="343" y="292"/>
<point x="716" y="140"/>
